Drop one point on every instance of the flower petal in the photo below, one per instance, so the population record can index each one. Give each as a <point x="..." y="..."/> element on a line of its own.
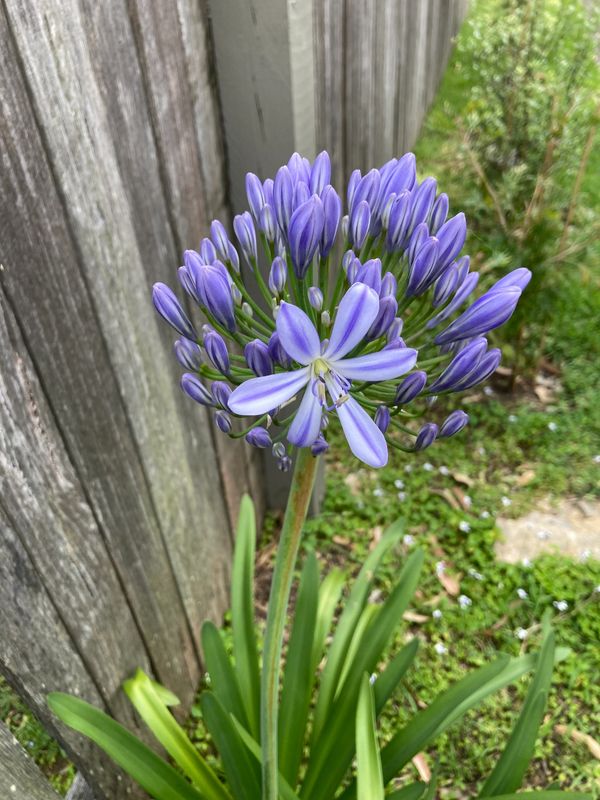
<point x="307" y="422"/>
<point x="355" y="315"/>
<point x="382" y="366"/>
<point x="365" y="439"/>
<point x="259" y="395"/>
<point x="297" y="334"/>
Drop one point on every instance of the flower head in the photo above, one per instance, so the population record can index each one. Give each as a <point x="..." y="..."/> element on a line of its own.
<point x="356" y="338"/>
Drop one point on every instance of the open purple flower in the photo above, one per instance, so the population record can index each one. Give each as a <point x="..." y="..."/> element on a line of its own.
<point x="342" y="334"/>
<point x="323" y="370"/>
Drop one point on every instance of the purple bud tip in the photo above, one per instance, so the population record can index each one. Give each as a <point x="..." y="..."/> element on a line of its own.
<point x="223" y="421"/>
<point x="454" y="423"/>
<point x="426" y="436"/>
<point x="169" y="307"/>
<point x="259" y="437"/>
<point x="193" y="387"/>
<point x="382" y="418"/>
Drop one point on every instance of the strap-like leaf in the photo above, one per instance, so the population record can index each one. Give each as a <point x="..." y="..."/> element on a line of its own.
<point x="156" y="777"/>
<point x="241" y="771"/>
<point x="391" y="676"/>
<point x="546" y="795"/>
<point x="510" y="769"/>
<point x="411" y="792"/>
<point x="329" y="597"/>
<point x="369" y="777"/>
<point x="299" y="674"/>
<point x="245" y="651"/>
<point x="142" y="692"/>
<point x="331" y="754"/>
<point x="223" y="678"/>
<point x="347" y="623"/>
<point x="285" y="790"/>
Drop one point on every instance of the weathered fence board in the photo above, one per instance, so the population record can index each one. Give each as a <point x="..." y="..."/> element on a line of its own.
<point x="20" y="779"/>
<point x="378" y="65"/>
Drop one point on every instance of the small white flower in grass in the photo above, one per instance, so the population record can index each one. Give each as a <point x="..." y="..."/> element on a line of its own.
<point x="408" y="468"/>
<point x="484" y="515"/>
<point x="440" y="567"/>
<point x="408" y="539"/>
<point x="512" y="418"/>
<point x="521" y="633"/>
<point x="399" y="484"/>
<point x="552" y="426"/>
<point x="427" y="466"/>
<point x="464" y="601"/>
<point x="596" y="459"/>
<point x="467" y="500"/>
<point x="440" y="648"/>
<point x="378" y="492"/>
<point x="464" y="526"/>
<point x="522" y="593"/>
<point x="487" y="390"/>
<point x="444" y="470"/>
<point x="436" y="613"/>
<point x="585" y="555"/>
<point x="597" y="589"/>
<point x="506" y="501"/>
<point x="526" y="562"/>
<point x="481" y="451"/>
<point x="543" y="535"/>
<point x="402" y="496"/>
<point x="474" y="574"/>
<point x="560" y="605"/>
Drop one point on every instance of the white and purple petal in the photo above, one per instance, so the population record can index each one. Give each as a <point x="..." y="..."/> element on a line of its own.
<point x="297" y="335"/>
<point x="355" y="315"/>
<point x="259" y="395"/>
<point x="307" y="422"/>
<point x="364" y="438"/>
<point x="382" y="366"/>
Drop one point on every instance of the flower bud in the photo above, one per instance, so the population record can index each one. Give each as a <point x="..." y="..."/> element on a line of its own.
<point x="266" y="222"/>
<point x="404" y="175"/>
<point x="259" y="437"/>
<point x="284" y="464"/>
<point x="388" y="307"/>
<point x="223" y="421"/>
<point x="518" y="277"/>
<point x="444" y="286"/>
<point x="486" y="367"/>
<point x="370" y="274"/>
<point x="422" y="200"/>
<point x="325" y="319"/>
<point x="187" y="282"/>
<point x="246" y="234"/>
<point x="422" y="267"/>
<point x="367" y="190"/>
<point x="332" y="209"/>
<point x="216" y="350"/>
<point x="255" y="194"/>
<point x="395" y="328"/>
<point x="410" y="387"/>
<point x="389" y="285"/>
<point x="299" y="168"/>
<point x="461" y="366"/>
<point x="304" y="234"/>
<point x="301" y="194"/>
<point x="278" y="450"/>
<point x="399" y="218"/>
<point x="426" y="436"/>
<point x="439" y="213"/>
<point x="452" y="237"/>
<point x="169" y="307"/>
<point x="278" y="276"/>
<point x="258" y="358"/>
<point x="382" y="418"/>
<point x="208" y="252"/>
<point x="213" y="289"/>
<point x="188" y="354"/>
<point x="315" y="298"/>
<point x="220" y="239"/>
<point x="488" y="312"/>
<point x="247" y="309"/>
<point x="194" y="388"/>
<point x="277" y="353"/>
<point x="319" y="446"/>
<point x="221" y="392"/>
<point x="416" y="241"/>
<point x="320" y="174"/>
<point x="454" y="423"/>
<point x="233" y="258"/>
<point x="360" y="221"/>
<point x="283" y="195"/>
<point x="236" y="296"/>
<point x="463" y="291"/>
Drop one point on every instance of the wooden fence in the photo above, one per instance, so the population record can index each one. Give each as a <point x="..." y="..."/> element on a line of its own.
<point x="117" y="500"/>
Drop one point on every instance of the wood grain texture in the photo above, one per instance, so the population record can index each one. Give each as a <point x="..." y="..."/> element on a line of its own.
<point x="80" y="790"/>
<point x="20" y="778"/>
<point x="378" y="66"/>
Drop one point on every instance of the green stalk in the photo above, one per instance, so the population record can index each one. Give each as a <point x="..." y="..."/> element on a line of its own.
<point x="297" y="506"/>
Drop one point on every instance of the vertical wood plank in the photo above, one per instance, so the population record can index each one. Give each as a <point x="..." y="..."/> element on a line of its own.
<point x="20" y="778"/>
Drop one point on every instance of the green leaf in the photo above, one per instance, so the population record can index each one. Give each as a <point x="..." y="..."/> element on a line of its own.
<point x="510" y="769"/>
<point x="285" y="790"/>
<point x="369" y="777"/>
<point x="331" y="754"/>
<point x="245" y="651"/>
<point x="329" y="597"/>
<point x="223" y="678"/>
<point x="391" y="676"/>
<point x="347" y="622"/>
<point x="546" y="795"/>
<point x="411" y="792"/>
<point x="366" y="618"/>
<point x="147" y="701"/>
<point x="242" y="773"/>
<point x="155" y="776"/>
<point x="299" y="674"/>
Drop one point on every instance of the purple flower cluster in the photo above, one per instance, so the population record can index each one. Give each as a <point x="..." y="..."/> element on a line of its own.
<point x="356" y="331"/>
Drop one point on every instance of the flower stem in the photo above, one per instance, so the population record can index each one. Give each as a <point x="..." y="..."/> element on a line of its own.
<point x="287" y="551"/>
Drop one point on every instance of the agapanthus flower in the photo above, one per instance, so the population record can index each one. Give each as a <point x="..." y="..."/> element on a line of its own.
<point x="362" y="319"/>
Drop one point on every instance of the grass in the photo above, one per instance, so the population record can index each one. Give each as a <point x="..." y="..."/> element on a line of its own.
<point x="554" y="443"/>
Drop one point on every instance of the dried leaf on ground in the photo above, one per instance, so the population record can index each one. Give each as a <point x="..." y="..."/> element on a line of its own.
<point x="578" y="736"/>
<point x="460" y="477"/>
<point x="352" y="481"/>
<point x="412" y="616"/>
<point x="447" y="495"/>
<point x="451" y="583"/>
<point x="375" y="536"/>
<point x="420" y="762"/>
